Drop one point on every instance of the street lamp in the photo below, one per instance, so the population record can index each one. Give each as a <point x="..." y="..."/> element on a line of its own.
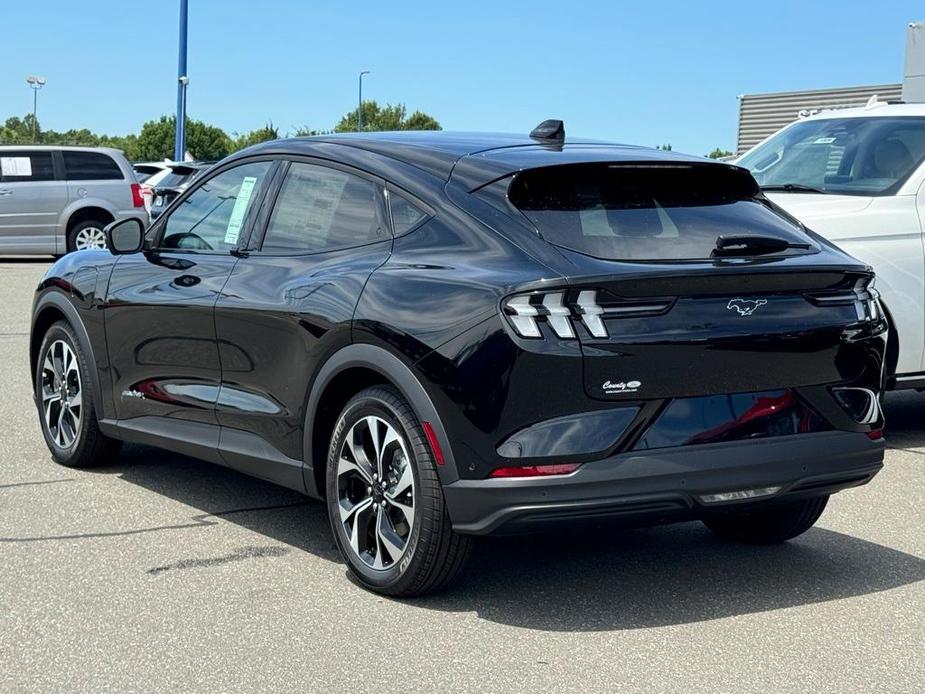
<point x="36" y="83"/>
<point x="360" y="105"/>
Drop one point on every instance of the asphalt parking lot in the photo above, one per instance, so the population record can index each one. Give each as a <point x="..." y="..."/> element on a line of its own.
<point x="164" y="573"/>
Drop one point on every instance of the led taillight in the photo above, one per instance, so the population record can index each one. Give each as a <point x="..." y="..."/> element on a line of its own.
<point x="137" y="198"/>
<point x="564" y="311"/>
<point x="591" y="313"/>
<point x="522" y="315"/>
<point x="535" y="470"/>
<point x="863" y="296"/>
<point x="526" y="310"/>
<point x="558" y="315"/>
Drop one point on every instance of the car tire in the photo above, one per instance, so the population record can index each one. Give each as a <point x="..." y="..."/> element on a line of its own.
<point x="86" y="234"/>
<point x="378" y="433"/>
<point x="64" y="386"/>
<point x="771" y="525"/>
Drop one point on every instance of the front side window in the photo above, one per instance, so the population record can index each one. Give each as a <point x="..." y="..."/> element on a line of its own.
<point x="846" y="156"/>
<point x="321" y="209"/>
<point x="21" y="166"/>
<point x="90" y="166"/>
<point x="212" y="217"/>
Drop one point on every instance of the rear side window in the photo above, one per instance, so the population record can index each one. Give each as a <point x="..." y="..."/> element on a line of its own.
<point x="645" y="211"/>
<point x="405" y="214"/>
<point x="20" y="166"/>
<point x="321" y="209"/>
<point x="90" y="166"/>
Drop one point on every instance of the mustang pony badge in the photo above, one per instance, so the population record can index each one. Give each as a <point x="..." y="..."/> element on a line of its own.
<point x="745" y="307"/>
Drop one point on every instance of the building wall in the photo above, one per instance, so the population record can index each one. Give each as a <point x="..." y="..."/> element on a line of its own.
<point x="761" y="115"/>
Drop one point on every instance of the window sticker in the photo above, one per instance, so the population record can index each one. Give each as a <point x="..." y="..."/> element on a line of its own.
<point x="327" y="197"/>
<point x="824" y="140"/>
<point x="15" y="166"/>
<point x="240" y="209"/>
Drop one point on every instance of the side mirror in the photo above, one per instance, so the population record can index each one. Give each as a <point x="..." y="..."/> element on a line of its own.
<point x="124" y="237"/>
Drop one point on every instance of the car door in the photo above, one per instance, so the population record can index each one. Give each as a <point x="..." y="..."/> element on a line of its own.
<point x="289" y="304"/>
<point x="31" y="200"/>
<point x="159" y="309"/>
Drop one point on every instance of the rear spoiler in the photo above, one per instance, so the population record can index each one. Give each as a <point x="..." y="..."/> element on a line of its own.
<point x="477" y="170"/>
<point x="184" y="169"/>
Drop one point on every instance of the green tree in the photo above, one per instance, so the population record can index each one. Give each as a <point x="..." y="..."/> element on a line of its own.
<point x="203" y="141"/>
<point x="127" y="143"/>
<point x="156" y="140"/>
<point x="17" y="131"/>
<point x="720" y="153"/>
<point x="267" y="132"/>
<point x="307" y="131"/>
<point x="664" y="148"/>
<point x="388" y="117"/>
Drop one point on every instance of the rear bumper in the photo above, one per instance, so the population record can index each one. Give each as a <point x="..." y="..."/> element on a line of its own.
<point x="666" y="484"/>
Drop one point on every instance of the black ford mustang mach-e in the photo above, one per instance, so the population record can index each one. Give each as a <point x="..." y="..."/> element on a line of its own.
<point x="446" y="335"/>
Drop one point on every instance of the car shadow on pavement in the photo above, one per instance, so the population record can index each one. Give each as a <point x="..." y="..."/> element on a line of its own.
<point x="222" y="493"/>
<point x="596" y="578"/>
<point x="612" y="579"/>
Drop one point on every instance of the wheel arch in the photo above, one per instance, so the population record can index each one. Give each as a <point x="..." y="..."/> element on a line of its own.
<point x="51" y="308"/>
<point x="348" y="371"/>
<point x="84" y="214"/>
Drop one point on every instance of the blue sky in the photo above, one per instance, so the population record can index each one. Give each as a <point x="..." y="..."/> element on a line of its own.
<point x="641" y="72"/>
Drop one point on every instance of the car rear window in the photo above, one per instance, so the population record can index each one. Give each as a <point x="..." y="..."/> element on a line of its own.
<point x="90" y="166"/>
<point x="630" y="211"/>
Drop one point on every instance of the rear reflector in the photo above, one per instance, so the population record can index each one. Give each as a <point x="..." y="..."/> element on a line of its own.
<point x="434" y="443"/>
<point x="738" y="495"/>
<point x="875" y="435"/>
<point x="535" y="470"/>
<point x="137" y="198"/>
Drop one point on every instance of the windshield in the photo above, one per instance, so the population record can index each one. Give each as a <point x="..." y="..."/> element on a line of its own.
<point x="648" y="212"/>
<point x="847" y="156"/>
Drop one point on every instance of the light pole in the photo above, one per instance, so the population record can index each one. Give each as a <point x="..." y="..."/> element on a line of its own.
<point x="360" y="104"/>
<point x="36" y="83"/>
<point x="179" y="147"/>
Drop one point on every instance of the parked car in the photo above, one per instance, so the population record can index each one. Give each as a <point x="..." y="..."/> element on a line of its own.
<point x="58" y="199"/>
<point x="857" y="177"/>
<point x="165" y="188"/>
<point x="146" y="169"/>
<point x="447" y="335"/>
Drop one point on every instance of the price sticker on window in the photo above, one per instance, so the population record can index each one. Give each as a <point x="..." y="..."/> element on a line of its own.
<point x="15" y="166"/>
<point x="240" y="210"/>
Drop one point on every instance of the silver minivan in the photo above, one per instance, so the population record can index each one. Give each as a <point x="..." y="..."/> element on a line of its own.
<point x="56" y="199"/>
